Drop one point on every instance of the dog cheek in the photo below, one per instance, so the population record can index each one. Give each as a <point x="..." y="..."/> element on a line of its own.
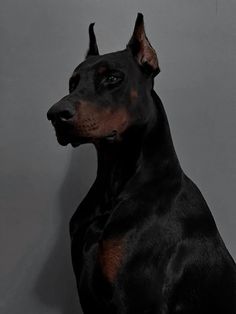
<point x="117" y="120"/>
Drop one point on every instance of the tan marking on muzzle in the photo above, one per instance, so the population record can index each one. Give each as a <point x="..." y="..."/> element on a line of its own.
<point x="110" y="255"/>
<point x="94" y="121"/>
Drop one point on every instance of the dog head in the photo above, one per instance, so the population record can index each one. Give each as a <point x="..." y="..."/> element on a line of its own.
<point x="107" y="93"/>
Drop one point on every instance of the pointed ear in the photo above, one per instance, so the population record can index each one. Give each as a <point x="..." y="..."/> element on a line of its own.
<point x="93" y="48"/>
<point x="142" y="49"/>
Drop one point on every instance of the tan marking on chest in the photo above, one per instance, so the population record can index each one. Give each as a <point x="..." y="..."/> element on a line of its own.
<point x="110" y="255"/>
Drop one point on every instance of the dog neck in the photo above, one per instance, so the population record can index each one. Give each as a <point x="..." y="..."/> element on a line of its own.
<point x="146" y="153"/>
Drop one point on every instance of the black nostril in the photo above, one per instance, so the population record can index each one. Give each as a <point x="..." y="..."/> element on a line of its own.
<point x="60" y="112"/>
<point x="65" y="115"/>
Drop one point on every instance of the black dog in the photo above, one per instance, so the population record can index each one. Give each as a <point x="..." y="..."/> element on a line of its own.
<point x="143" y="239"/>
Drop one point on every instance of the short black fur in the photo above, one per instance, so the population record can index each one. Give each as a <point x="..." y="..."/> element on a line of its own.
<point x="143" y="240"/>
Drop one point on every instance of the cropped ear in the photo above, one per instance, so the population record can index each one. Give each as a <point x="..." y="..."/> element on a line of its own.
<point x="141" y="48"/>
<point x="93" y="48"/>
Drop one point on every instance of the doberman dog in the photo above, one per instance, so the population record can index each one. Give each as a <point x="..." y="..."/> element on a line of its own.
<point x="143" y="240"/>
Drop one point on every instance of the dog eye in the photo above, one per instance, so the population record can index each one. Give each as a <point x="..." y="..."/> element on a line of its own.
<point x="112" y="79"/>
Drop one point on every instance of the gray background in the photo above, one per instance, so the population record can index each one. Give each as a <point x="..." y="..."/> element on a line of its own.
<point x="42" y="182"/>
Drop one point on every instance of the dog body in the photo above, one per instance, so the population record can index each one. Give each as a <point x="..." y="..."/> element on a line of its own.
<point x="143" y="240"/>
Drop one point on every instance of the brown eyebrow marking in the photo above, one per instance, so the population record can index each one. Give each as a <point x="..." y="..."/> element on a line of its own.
<point x="133" y="95"/>
<point x="102" y="69"/>
<point x="110" y="255"/>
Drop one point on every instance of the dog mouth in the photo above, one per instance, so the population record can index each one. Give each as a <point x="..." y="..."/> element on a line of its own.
<point x="65" y="137"/>
<point x="91" y="126"/>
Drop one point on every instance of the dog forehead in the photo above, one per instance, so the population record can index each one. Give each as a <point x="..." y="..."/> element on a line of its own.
<point x="113" y="60"/>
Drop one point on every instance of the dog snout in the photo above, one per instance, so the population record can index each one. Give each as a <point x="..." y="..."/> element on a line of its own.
<point x="61" y="112"/>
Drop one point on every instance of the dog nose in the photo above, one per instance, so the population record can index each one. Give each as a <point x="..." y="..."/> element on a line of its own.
<point x="61" y="112"/>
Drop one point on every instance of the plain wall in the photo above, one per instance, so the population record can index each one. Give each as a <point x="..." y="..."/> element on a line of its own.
<point x="42" y="183"/>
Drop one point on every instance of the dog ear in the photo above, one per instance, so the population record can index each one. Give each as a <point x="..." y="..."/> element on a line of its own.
<point x="93" y="48"/>
<point x="141" y="48"/>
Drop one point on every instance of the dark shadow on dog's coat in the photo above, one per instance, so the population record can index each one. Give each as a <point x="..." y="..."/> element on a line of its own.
<point x="143" y="240"/>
